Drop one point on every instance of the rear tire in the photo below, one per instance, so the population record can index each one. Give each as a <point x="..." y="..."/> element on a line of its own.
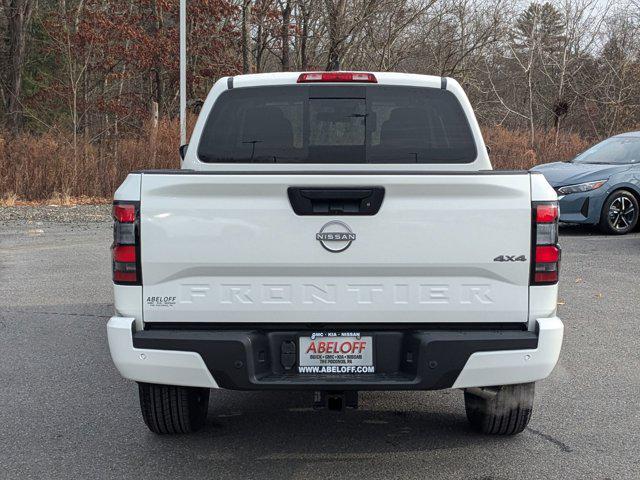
<point x="619" y="213"/>
<point x="508" y="413"/>
<point x="168" y="409"/>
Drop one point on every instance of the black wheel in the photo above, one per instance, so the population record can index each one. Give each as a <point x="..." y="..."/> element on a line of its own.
<point x="619" y="213"/>
<point x="167" y="409"/>
<point x="506" y="413"/>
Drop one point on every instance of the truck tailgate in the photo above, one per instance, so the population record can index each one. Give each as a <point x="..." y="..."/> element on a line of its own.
<point x="229" y="248"/>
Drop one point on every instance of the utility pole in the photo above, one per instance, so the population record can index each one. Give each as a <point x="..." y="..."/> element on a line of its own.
<point x="183" y="72"/>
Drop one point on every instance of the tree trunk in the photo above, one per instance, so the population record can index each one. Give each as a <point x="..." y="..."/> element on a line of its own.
<point x="153" y="132"/>
<point x="259" y="49"/>
<point x="284" y="36"/>
<point x="335" y="13"/>
<point x="261" y="33"/>
<point x="158" y="86"/>
<point x="246" y="36"/>
<point x="304" y="61"/>
<point x="19" y="14"/>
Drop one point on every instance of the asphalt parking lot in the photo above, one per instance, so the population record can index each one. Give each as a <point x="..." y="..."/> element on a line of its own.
<point x="66" y="413"/>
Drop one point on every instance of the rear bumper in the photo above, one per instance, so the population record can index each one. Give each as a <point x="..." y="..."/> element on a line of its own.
<point x="407" y="359"/>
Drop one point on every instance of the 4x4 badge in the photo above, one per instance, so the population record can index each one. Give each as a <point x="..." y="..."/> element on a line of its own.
<point x="335" y="236"/>
<point x="510" y="258"/>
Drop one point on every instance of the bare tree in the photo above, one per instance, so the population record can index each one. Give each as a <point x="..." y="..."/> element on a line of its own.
<point x="19" y="14"/>
<point x="336" y="11"/>
<point x="285" y="10"/>
<point x="304" y="18"/>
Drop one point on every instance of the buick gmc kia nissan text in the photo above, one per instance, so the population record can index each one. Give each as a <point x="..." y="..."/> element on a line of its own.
<point x="335" y="232"/>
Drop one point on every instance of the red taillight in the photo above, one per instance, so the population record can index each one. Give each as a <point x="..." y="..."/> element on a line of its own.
<point x="312" y="77"/>
<point x="124" y="213"/>
<point x="545" y="265"/>
<point x="547" y="253"/>
<point x="546" y="213"/>
<point x="125" y="250"/>
<point x="124" y="253"/>
<point x="124" y="277"/>
<point x="546" y="277"/>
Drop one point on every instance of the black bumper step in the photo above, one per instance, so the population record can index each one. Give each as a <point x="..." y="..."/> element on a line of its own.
<point x="255" y="359"/>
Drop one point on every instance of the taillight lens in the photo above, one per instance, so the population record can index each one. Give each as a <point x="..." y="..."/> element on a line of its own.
<point x="545" y="265"/>
<point x="124" y="213"/>
<point x="547" y="254"/>
<point x="125" y="251"/>
<point x="124" y="254"/>
<point x="361" y="77"/>
<point x="546" y="212"/>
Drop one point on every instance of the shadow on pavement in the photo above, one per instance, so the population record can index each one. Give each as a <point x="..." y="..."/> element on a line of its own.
<point x="281" y="429"/>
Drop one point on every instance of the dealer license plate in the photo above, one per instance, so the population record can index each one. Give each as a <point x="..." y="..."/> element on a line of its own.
<point x="336" y="353"/>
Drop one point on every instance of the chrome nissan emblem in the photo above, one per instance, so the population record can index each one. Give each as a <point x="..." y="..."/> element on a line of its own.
<point x="335" y="236"/>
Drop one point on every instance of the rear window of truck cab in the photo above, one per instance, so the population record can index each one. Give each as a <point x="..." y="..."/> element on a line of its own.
<point x="337" y="124"/>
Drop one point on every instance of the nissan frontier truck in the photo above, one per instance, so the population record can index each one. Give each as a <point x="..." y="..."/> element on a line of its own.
<point x="335" y="232"/>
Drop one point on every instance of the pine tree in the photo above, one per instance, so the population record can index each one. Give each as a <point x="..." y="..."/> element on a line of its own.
<point x="539" y="26"/>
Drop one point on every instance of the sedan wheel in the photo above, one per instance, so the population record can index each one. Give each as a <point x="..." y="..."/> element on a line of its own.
<point x="619" y="213"/>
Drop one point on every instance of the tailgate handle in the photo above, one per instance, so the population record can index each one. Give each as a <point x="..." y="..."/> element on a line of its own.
<point x="336" y="201"/>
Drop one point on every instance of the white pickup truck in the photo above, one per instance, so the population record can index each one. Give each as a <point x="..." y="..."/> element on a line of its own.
<point x="335" y="232"/>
